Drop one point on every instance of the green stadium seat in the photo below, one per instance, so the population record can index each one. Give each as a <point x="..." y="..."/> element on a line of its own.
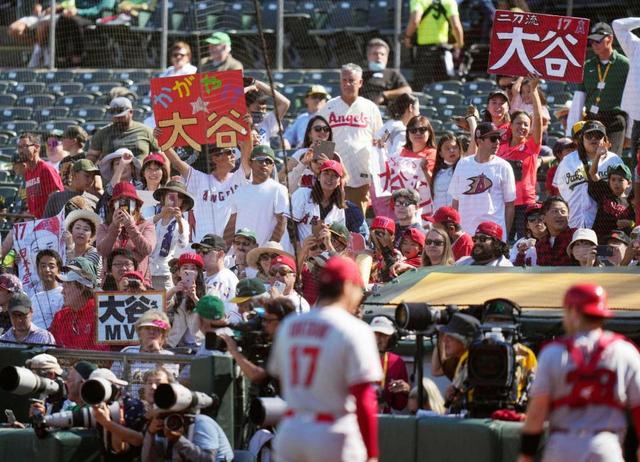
<point x="34" y="101"/>
<point x="75" y="100"/>
<point x="48" y="113"/>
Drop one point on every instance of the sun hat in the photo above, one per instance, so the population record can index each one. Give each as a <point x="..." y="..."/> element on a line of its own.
<point x="268" y="247"/>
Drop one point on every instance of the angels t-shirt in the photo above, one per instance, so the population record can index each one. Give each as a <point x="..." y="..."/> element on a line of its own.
<point x="481" y="190"/>
<point x="353" y="130"/>
<point x="257" y="205"/>
<point x="41" y="182"/>
<point x="523" y="159"/>
<point x="212" y="199"/>
<point x="223" y="285"/>
<point x="306" y="213"/>
<point x="571" y="181"/>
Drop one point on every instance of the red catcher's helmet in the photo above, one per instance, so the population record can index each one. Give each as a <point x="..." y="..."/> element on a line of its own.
<point x="589" y="299"/>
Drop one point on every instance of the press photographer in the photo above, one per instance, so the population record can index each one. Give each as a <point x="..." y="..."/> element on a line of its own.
<point x="177" y="431"/>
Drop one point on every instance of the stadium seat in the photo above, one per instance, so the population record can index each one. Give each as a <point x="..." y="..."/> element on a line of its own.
<point x="49" y="113"/>
<point x="322" y="77"/>
<point x="447" y="85"/>
<point x="479" y="101"/>
<point x="56" y="76"/>
<point x="7" y="84"/>
<point x="5" y="175"/>
<point x="33" y="101"/>
<point x="448" y="97"/>
<point x="256" y="74"/>
<point x="75" y="100"/>
<point x="238" y="15"/>
<point x="288" y="77"/>
<point x="552" y="87"/>
<point x="348" y="14"/>
<point x="28" y="88"/>
<point x="141" y="89"/>
<point x="61" y="124"/>
<point x="19" y="75"/>
<point x="318" y="11"/>
<point x="429" y="112"/>
<point x="19" y="126"/>
<point x="63" y="88"/>
<point x="559" y="98"/>
<point x="88" y="113"/>
<point x="92" y="125"/>
<point x="142" y="75"/>
<point x="101" y="88"/>
<point x="477" y="87"/>
<point x="8" y="100"/>
<point x="381" y="16"/>
<point x="7" y="114"/>
<point x="94" y="76"/>
<point x="437" y="125"/>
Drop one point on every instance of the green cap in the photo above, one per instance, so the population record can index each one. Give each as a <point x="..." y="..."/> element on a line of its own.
<point x="247" y="289"/>
<point x="621" y="170"/>
<point x="340" y="231"/>
<point x="263" y="151"/>
<point x="219" y="38"/>
<point x="246" y="232"/>
<point x="85" y="165"/>
<point x="81" y="270"/>
<point x="210" y="307"/>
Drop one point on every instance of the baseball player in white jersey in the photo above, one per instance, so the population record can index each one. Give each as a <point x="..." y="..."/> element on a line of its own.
<point x="586" y="381"/>
<point x="327" y="360"/>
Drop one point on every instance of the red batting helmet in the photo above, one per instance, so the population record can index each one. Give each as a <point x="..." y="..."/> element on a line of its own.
<point x="589" y="299"/>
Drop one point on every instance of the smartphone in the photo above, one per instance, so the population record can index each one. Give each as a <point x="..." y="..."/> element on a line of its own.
<point x="386" y="136"/>
<point x="189" y="278"/>
<point x="604" y="251"/>
<point x="11" y="418"/>
<point x="172" y="199"/>
<point x="324" y="147"/>
<point x="279" y="286"/>
<point x="317" y="227"/>
<point x="124" y="205"/>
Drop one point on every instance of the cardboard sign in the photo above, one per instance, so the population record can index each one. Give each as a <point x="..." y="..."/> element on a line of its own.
<point x="31" y="237"/>
<point x="200" y="109"/>
<point x="553" y="47"/>
<point x="117" y="313"/>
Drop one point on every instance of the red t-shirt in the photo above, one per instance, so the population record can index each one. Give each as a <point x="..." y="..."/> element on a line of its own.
<point x="41" y="182"/>
<point x="462" y="247"/>
<point x="76" y="330"/>
<point x="428" y="154"/>
<point x="548" y="182"/>
<point x="524" y="161"/>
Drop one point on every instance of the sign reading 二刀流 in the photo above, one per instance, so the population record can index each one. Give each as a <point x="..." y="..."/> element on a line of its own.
<point x="553" y="47"/>
<point x="198" y="109"/>
<point x="117" y="313"/>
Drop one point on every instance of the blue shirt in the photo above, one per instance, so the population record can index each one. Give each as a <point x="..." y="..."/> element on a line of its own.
<point x="294" y="133"/>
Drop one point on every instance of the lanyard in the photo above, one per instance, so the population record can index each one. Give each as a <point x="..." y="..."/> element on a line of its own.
<point x="602" y="79"/>
<point x="385" y="367"/>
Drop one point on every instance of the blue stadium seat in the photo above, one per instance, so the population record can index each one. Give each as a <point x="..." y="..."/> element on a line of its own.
<point x="100" y="88"/>
<point x="478" y="87"/>
<point x="92" y="125"/>
<point x="48" y="113"/>
<point x="19" y="126"/>
<point x="88" y="113"/>
<point x="141" y="88"/>
<point x="75" y="100"/>
<point x="8" y="100"/>
<point x="449" y="85"/>
<point x="58" y="124"/>
<point x="7" y="114"/>
<point x="56" y="76"/>
<point x="19" y="75"/>
<point x="322" y="77"/>
<point x="552" y="87"/>
<point x="559" y="98"/>
<point x="142" y="75"/>
<point x="381" y="15"/>
<point x="28" y="88"/>
<point x="94" y="76"/>
<point x="447" y="97"/>
<point x="63" y="88"/>
<point x="288" y="77"/>
<point x="6" y="84"/>
<point x="33" y="101"/>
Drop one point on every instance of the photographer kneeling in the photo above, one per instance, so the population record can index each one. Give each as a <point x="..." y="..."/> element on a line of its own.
<point x="275" y="310"/>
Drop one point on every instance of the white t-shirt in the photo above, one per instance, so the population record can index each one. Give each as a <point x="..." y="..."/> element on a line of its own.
<point x="223" y="285"/>
<point x="44" y="305"/>
<point x="501" y="261"/>
<point x="571" y="181"/>
<point x="159" y="264"/>
<point x="306" y="213"/>
<point x="397" y="136"/>
<point x="441" y="196"/>
<point x="481" y="190"/>
<point x="353" y="130"/>
<point x="267" y="128"/>
<point x="318" y="355"/>
<point x="211" y="200"/>
<point x="257" y="205"/>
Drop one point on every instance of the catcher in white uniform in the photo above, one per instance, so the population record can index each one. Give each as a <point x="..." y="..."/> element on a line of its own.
<point x="586" y="382"/>
<point x="326" y="361"/>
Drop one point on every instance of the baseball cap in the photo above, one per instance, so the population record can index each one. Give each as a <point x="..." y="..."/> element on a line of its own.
<point x="133" y="275"/>
<point x="120" y="106"/>
<point x="594" y="126"/>
<point x="487" y="129"/>
<point x="19" y="302"/>
<point x="284" y="260"/>
<point x="415" y="235"/>
<point x="85" y="165"/>
<point x="618" y="235"/>
<point x="498" y="93"/>
<point x="80" y="270"/>
<point x="317" y="90"/>
<point x="154" y="157"/>
<point x="383" y="325"/>
<point x="211" y="241"/>
<point x="535" y="208"/>
<point x="599" y="31"/>
<point x="334" y="166"/>
<point x="620" y="170"/>
<point x="340" y="269"/>
<point x="246" y="232"/>
<point x="562" y="144"/>
<point x="210" y="307"/>
<point x="191" y="258"/>
<point x="45" y="362"/>
<point x="262" y="151"/>
<point x="463" y="327"/>
<point x="10" y="282"/>
<point x="340" y="230"/>
<point x="589" y="299"/>
<point x="384" y="223"/>
<point x="219" y="38"/>
<point x="108" y="375"/>
<point x="582" y="234"/>
<point x="576" y="129"/>
<point x="446" y="215"/>
<point x="247" y="289"/>
<point x="84" y="368"/>
<point x="491" y="229"/>
<point x="407" y="193"/>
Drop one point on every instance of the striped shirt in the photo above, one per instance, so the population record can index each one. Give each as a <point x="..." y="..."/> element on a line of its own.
<point x="36" y="335"/>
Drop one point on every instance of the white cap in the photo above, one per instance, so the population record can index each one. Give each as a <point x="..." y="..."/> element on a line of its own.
<point x="44" y="362"/>
<point x="383" y="325"/>
<point x="106" y="374"/>
<point x="119" y="106"/>
<point x="582" y="234"/>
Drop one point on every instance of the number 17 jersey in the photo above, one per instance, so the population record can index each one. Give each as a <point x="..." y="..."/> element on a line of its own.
<point x="319" y="355"/>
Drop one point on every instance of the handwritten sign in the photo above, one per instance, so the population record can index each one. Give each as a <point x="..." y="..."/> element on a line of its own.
<point x="31" y="237"/>
<point x="553" y="47"/>
<point x="199" y="109"/>
<point x="117" y="313"/>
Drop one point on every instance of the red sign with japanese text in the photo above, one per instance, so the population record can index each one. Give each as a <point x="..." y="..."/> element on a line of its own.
<point x="553" y="47"/>
<point x="198" y="109"/>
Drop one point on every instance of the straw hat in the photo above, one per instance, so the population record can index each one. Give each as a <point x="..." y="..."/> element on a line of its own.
<point x="268" y="247"/>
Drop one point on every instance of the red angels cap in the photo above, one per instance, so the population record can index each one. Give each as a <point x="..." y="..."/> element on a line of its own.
<point x="535" y="208"/>
<point x="340" y="269"/>
<point x="589" y="299"/>
<point x="284" y="260"/>
<point x="154" y="157"/>
<point x="192" y="258"/>
<point x="490" y="229"/>
<point x="384" y="223"/>
<point x="333" y="165"/>
<point x="125" y="189"/>
<point x="446" y="215"/>
<point x="415" y="235"/>
<point x="133" y="274"/>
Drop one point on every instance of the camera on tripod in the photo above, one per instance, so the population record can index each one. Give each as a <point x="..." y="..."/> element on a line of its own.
<point x="422" y="317"/>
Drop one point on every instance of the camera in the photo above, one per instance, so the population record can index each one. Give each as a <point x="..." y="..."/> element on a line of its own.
<point x="267" y="412"/>
<point x="178" y="404"/>
<point x="251" y="339"/>
<point x="420" y="317"/>
<point x="23" y="381"/>
<point x="134" y="284"/>
<point x="82" y="418"/>
<point x="96" y="391"/>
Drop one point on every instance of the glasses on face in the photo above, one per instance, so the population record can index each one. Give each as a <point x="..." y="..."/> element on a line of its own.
<point x="594" y="135"/>
<point x="482" y="239"/>
<point x="592" y="41"/>
<point x="282" y="272"/>
<point x="202" y="251"/>
<point x="321" y="128"/>
<point x="318" y="247"/>
<point x="117" y="110"/>
<point x="415" y="130"/>
<point x="534" y="218"/>
<point x="122" y="264"/>
<point x="492" y="138"/>
<point x="404" y="203"/>
<point x="264" y="161"/>
<point x="434" y="242"/>
<point x="224" y="152"/>
<point x="24" y="147"/>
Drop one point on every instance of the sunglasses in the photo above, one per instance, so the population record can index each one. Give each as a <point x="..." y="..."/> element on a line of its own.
<point x="117" y="110"/>
<point x="492" y="138"/>
<point x="435" y="242"/>
<point x="594" y="135"/>
<point x="264" y="160"/>
<point x="534" y="218"/>
<point x="203" y="252"/>
<point x="321" y="128"/>
<point x="592" y="41"/>
<point x="481" y="239"/>
<point x="404" y="203"/>
<point x="282" y="272"/>
<point x="415" y="130"/>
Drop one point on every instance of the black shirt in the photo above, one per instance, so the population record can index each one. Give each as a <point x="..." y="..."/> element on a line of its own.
<point x="375" y="82"/>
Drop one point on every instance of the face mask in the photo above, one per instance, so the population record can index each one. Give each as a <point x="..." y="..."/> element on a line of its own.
<point x="375" y="66"/>
<point x="446" y="162"/>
